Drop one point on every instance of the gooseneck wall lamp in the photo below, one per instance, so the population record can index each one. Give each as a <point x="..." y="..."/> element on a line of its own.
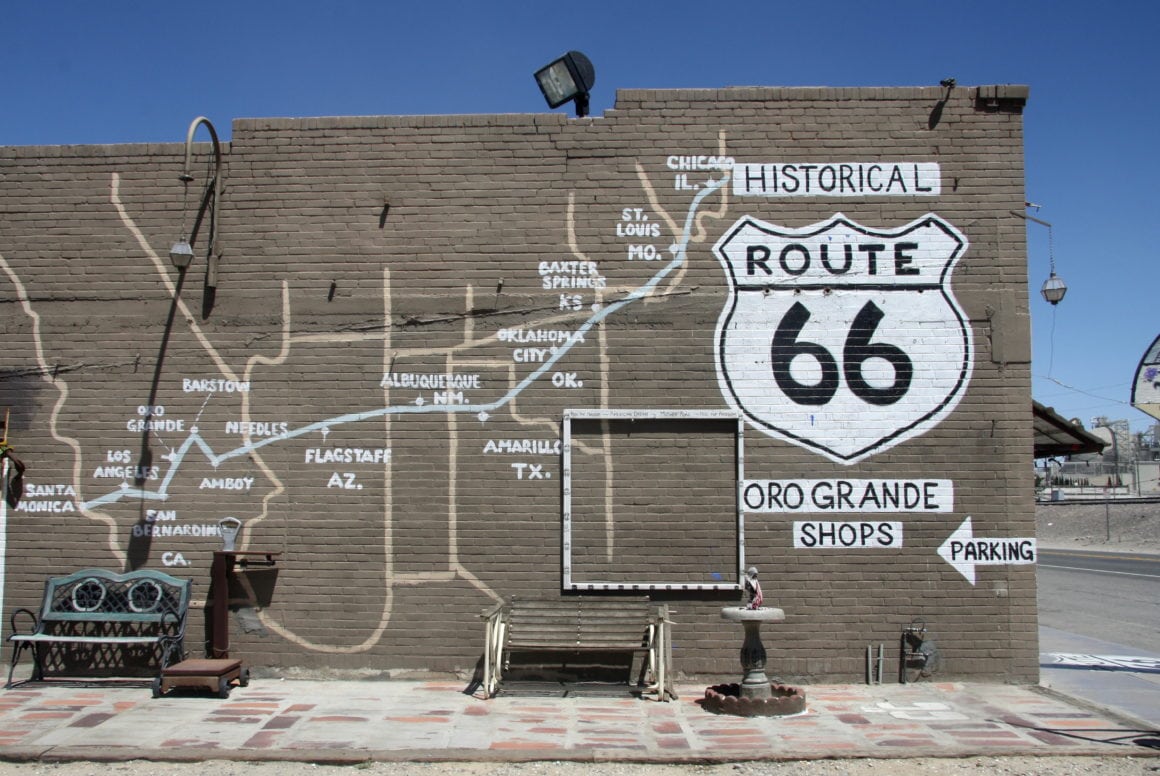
<point x="1053" y="289"/>
<point x="568" y="79"/>
<point x="181" y="254"/>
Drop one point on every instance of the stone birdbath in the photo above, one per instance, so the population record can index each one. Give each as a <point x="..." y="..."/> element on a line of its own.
<point x="755" y="696"/>
<point x="754" y="682"/>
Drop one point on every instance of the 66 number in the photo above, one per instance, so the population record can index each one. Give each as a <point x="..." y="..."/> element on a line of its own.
<point x="855" y="353"/>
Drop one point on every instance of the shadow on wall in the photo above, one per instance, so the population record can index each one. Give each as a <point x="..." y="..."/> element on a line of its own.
<point x="141" y="541"/>
<point x="20" y="397"/>
<point x="937" y="111"/>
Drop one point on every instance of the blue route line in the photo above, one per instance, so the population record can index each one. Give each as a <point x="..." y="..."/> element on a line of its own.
<point x="194" y="438"/>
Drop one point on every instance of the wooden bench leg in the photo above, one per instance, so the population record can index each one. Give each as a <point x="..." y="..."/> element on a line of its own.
<point x="487" y="638"/>
<point x="657" y="662"/>
<point x="659" y="659"/>
<point x="645" y="677"/>
<point x="667" y="660"/>
<point x="495" y="659"/>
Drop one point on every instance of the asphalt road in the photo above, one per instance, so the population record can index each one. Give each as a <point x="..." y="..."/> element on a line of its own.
<point x="1099" y="629"/>
<point x="1107" y="562"/>
<point x="1110" y="596"/>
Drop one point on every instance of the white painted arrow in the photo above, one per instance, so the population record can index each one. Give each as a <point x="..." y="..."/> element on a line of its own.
<point x="963" y="551"/>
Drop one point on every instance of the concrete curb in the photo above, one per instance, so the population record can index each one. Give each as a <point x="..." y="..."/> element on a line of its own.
<point x="329" y="757"/>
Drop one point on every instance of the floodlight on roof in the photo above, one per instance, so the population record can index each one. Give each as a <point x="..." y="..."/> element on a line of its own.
<point x="567" y="79"/>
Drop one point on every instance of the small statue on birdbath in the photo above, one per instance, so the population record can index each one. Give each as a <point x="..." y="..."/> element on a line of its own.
<point x="753" y="589"/>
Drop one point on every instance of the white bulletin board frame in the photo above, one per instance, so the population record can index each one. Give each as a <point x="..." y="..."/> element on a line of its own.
<point x="571" y="584"/>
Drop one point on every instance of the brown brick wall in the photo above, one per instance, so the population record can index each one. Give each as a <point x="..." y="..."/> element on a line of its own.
<point x="441" y="248"/>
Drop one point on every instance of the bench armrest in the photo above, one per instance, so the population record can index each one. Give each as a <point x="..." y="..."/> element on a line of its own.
<point x="494" y="611"/>
<point x="661" y="613"/>
<point x="172" y="650"/>
<point x="31" y="614"/>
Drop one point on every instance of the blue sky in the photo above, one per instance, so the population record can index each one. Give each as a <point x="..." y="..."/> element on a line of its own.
<point x="122" y="72"/>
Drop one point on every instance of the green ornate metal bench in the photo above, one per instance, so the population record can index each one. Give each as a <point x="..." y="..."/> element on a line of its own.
<point x="96" y="621"/>
<point x="579" y="625"/>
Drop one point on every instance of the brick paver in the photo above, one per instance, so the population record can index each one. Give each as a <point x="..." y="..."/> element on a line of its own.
<point x="336" y="721"/>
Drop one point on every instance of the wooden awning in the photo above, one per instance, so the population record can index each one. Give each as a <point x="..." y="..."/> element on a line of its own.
<point x="1056" y="435"/>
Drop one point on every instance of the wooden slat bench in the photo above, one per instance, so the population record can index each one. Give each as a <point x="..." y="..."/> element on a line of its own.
<point x="141" y="610"/>
<point x="579" y="625"/>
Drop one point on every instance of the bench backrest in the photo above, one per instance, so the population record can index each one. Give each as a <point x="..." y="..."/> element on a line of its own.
<point x="589" y="623"/>
<point x="99" y="595"/>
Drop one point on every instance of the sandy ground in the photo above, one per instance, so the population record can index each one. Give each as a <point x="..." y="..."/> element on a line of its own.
<point x="1006" y="766"/>
<point x="1121" y="527"/>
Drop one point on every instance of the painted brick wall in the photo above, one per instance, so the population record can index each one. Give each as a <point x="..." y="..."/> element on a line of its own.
<point x="407" y="307"/>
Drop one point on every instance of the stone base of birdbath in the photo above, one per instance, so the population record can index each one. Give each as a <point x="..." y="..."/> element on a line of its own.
<point x="783" y="701"/>
<point x="755" y="696"/>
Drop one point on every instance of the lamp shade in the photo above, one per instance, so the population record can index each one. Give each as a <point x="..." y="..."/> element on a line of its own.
<point x="1053" y="289"/>
<point x="181" y="254"/>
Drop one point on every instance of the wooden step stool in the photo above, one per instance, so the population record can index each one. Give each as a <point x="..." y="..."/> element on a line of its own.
<point x="210" y="674"/>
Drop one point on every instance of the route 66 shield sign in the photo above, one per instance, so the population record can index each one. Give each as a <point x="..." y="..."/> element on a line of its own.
<point x="840" y="338"/>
